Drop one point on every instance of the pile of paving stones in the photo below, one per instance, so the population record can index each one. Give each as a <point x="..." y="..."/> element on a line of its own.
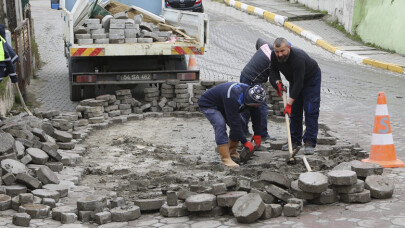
<point x="119" y="29"/>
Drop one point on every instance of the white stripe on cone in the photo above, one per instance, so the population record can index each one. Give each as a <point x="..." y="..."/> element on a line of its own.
<point x="382" y="139"/>
<point x="381" y="110"/>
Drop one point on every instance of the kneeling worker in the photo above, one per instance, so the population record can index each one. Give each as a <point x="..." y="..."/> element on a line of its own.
<point x="222" y="106"/>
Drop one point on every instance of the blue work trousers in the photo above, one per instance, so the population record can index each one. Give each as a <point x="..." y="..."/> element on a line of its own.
<point x="264" y="111"/>
<point x="308" y="101"/>
<point x="218" y="122"/>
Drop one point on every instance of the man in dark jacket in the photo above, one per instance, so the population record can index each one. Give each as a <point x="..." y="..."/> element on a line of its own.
<point x="304" y="76"/>
<point x="222" y="105"/>
<point x="256" y="72"/>
<point x="7" y="58"/>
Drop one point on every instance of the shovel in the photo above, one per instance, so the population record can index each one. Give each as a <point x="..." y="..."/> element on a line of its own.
<point x="22" y="99"/>
<point x="291" y="160"/>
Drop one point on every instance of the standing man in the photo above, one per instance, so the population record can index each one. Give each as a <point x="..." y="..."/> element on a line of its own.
<point x="304" y="76"/>
<point x="222" y="105"/>
<point x="256" y="72"/>
<point x="7" y="58"/>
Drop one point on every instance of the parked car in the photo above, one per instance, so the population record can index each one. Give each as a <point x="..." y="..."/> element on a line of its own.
<point x="192" y="5"/>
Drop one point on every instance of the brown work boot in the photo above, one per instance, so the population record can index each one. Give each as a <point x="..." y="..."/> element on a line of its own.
<point x="225" y="156"/>
<point x="232" y="150"/>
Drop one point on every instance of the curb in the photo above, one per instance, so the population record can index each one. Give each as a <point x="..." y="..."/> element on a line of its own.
<point x="282" y="21"/>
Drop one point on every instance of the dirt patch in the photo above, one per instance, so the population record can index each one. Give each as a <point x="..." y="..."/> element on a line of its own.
<point x="143" y="158"/>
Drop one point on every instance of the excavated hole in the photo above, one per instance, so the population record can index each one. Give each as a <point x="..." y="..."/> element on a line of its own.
<point x="142" y="159"/>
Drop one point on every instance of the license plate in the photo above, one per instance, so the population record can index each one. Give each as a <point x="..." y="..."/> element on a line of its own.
<point x="135" y="77"/>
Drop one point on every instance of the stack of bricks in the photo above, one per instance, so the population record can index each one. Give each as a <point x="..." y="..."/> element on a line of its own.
<point x="182" y="97"/>
<point x="125" y="101"/>
<point x="119" y="29"/>
<point x="92" y="109"/>
<point x="152" y="96"/>
<point x="277" y="104"/>
<point x="167" y="90"/>
<point x="110" y="106"/>
<point x="198" y="90"/>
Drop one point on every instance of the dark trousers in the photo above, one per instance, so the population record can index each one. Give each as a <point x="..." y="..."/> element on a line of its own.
<point x="308" y="102"/>
<point x="264" y="110"/>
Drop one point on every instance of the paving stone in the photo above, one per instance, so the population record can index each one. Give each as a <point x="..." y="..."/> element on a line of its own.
<point x="102" y="217"/>
<point x="66" y="146"/>
<point x="215" y="212"/>
<point x="217" y="189"/>
<point x="327" y="197"/>
<point x="150" y="204"/>
<point x="96" y="120"/>
<point x="49" y="202"/>
<point x="276" y="210"/>
<point x="267" y="198"/>
<point x="267" y="212"/>
<point x="8" y="179"/>
<point x="118" y="202"/>
<point x="321" y="140"/>
<point x="52" y="152"/>
<point x="184" y="194"/>
<point x="47" y="176"/>
<point x="86" y="216"/>
<point x="276" y="145"/>
<point x="40" y="134"/>
<point x="243" y="185"/>
<point x="63" y="190"/>
<point x="171" y="198"/>
<point x="248" y="208"/>
<point x="20" y="149"/>
<point x="38" y="156"/>
<point x="367" y="169"/>
<point x="291" y="210"/>
<point x="380" y="187"/>
<point x="297" y="201"/>
<point x="46" y="193"/>
<point x="356" y="188"/>
<point x="25" y="198"/>
<point x="342" y="177"/>
<point x="126" y="214"/>
<point x="179" y="210"/>
<point x="28" y="180"/>
<point x="15" y="190"/>
<point x="278" y="192"/>
<point x="6" y="143"/>
<point x="55" y="166"/>
<point x="362" y="197"/>
<point x="13" y="166"/>
<point x="26" y="159"/>
<point x="15" y="203"/>
<point x="313" y="182"/>
<point x="228" y="199"/>
<point x="68" y="218"/>
<point x="276" y="178"/>
<point x="21" y="219"/>
<point x="57" y="211"/>
<point x="5" y="202"/>
<point x="91" y="203"/>
<point x="201" y="202"/>
<point x="36" y="211"/>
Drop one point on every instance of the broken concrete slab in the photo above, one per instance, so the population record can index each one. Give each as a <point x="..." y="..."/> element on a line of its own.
<point x="248" y="208"/>
<point x="342" y="177"/>
<point x="201" y="202"/>
<point x="38" y="156"/>
<point x="313" y="182"/>
<point x="47" y="176"/>
<point x="365" y="169"/>
<point x="361" y="197"/>
<point x="278" y="192"/>
<point x="21" y="219"/>
<point x="380" y="187"/>
<point x="228" y="199"/>
<point x="125" y="214"/>
<point x="276" y="178"/>
<point x="356" y="188"/>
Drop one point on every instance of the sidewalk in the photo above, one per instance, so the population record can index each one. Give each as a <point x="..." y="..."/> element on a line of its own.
<point x="305" y="23"/>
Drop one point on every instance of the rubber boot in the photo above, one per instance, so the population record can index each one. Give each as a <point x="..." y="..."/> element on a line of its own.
<point x="225" y="156"/>
<point x="232" y="150"/>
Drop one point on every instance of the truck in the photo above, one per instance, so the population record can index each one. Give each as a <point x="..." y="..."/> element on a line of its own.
<point x="96" y="67"/>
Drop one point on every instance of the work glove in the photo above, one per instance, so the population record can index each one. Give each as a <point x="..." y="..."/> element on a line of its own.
<point x="280" y="89"/>
<point x="287" y="110"/>
<point x="249" y="146"/>
<point x="257" y="139"/>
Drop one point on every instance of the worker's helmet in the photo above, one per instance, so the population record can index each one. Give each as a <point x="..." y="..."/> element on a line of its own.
<point x="256" y="95"/>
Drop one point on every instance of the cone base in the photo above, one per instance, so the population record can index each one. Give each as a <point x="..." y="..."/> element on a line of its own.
<point x="386" y="164"/>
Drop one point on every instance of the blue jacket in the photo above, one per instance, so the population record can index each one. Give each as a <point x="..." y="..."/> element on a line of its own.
<point x="258" y="68"/>
<point x="7" y="66"/>
<point x="228" y="98"/>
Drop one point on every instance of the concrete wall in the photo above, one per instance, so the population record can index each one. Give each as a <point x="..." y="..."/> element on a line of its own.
<point x="381" y="22"/>
<point x="6" y="96"/>
<point x="343" y="9"/>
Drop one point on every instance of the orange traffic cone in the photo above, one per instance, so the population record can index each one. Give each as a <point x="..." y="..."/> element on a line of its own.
<point x="192" y="65"/>
<point x="382" y="149"/>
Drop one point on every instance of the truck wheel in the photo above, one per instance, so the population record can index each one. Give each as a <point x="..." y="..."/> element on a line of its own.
<point x="75" y="93"/>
